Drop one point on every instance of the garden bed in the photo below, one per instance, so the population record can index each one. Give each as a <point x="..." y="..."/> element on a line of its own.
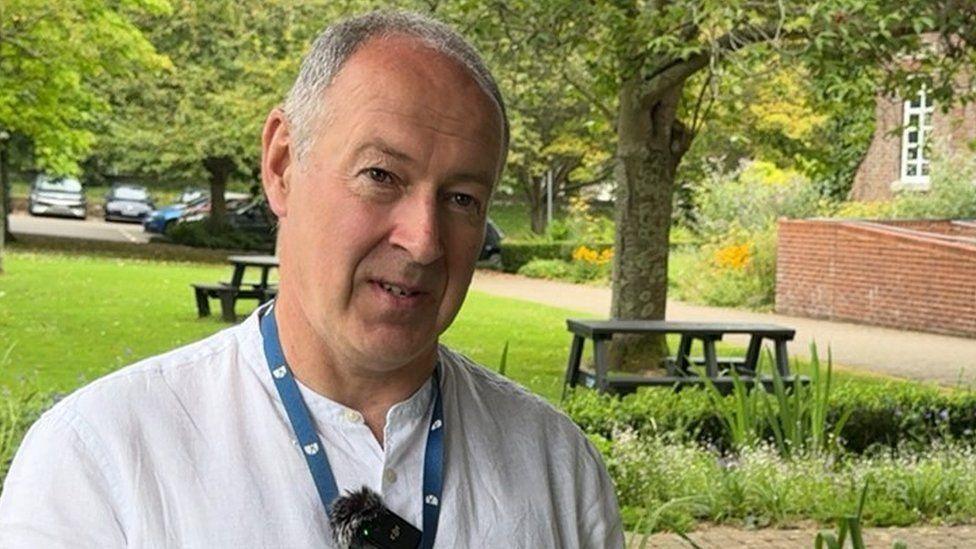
<point x="754" y="459"/>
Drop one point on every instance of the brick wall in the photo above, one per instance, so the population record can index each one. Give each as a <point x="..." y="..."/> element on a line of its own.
<point x="871" y="272"/>
<point x="881" y="165"/>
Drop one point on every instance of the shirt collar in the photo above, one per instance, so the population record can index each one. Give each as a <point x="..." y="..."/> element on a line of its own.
<point x="321" y="407"/>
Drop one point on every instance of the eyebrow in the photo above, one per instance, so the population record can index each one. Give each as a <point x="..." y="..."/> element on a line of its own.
<point x="379" y="145"/>
<point x="385" y="148"/>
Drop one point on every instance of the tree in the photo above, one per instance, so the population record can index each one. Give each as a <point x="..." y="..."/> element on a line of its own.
<point x="556" y="132"/>
<point x="763" y="107"/>
<point x="648" y="55"/>
<point x="56" y="60"/>
<point x="202" y="119"/>
<point x="552" y="140"/>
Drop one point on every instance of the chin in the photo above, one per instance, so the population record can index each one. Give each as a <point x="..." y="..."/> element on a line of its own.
<point x="390" y="352"/>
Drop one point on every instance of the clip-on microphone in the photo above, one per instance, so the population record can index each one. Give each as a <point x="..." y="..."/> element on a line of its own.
<point x="359" y="520"/>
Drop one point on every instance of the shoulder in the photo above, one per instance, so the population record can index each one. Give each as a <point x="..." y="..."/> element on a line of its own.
<point x="145" y="392"/>
<point x="502" y="424"/>
<point x="498" y="404"/>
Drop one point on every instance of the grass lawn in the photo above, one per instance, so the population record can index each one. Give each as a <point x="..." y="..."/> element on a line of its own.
<point x="512" y="219"/>
<point x="67" y="319"/>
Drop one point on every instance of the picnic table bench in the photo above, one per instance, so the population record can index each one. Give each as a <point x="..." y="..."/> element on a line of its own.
<point x="678" y="368"/>
<point x="228" y="293"/>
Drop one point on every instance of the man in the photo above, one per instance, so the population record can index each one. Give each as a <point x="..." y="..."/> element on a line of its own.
<point x="380" y="169"/>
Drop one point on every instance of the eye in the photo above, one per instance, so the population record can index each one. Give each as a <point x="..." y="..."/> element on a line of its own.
<point x="465" y="201"/>
<point x="379" y="175"/>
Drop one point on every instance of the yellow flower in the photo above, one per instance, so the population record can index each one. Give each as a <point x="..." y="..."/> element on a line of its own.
<point x="587" y="255"/>
<point x="735" y="257"/>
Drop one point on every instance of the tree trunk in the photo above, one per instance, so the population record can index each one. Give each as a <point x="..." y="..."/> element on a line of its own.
<point x="219" y="168"/>
<point x="534" y="193"/>
<point x="537" y="212"/>
<point x="650" y="144"/>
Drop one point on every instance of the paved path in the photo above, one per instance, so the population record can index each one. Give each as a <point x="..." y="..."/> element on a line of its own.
<point x="914" y="355"/>
<point x="89" y="229"/>
<point x="925" y="537"/>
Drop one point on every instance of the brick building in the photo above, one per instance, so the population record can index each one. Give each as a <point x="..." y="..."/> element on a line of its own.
<point x="904" y="137"/>
<point x="915" y="275"/>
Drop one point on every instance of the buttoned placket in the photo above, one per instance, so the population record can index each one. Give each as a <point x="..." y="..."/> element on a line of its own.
<point x="393" y="469"/>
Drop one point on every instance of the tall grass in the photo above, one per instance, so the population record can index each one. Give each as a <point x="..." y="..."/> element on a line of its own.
<point x="503" y="361"/>
<point x="795" y="417"/>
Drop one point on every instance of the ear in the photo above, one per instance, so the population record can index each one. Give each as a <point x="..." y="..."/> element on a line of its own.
<point x="276" y="161"/>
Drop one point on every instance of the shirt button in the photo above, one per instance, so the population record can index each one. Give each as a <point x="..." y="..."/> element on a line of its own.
<point x="389" y="476"/>
<point x="353" y="416"/>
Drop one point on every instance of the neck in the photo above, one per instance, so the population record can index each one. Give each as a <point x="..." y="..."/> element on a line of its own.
<point x="342" y="378"/>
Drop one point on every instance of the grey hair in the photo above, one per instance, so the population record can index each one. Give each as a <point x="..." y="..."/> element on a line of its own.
<point x="304" y="108"/>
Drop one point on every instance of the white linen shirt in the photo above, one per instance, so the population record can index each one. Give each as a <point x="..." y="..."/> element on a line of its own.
<point x="193" y="448"/>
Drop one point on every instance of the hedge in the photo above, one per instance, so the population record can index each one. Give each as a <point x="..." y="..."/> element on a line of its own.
<point x="518" y="253"/>
<point x="885" y="415"/>
<point x="154" y="250"/>
<point x="200" y="234"/>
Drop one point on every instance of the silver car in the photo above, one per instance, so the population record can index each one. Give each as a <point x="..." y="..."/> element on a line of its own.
<point x="52" y="195"/>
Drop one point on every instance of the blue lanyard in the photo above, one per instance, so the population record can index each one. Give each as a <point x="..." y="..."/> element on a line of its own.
<point x="308" y="439"/>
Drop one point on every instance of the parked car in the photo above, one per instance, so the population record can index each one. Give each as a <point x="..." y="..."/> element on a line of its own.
<point x="491" y="250"/>
<point x="201" y="210"/>
<point x="159" y="221"/>
<point x="191" y="194"/>
<point x="53" y="195"/>
<point x="126" y="202"/>
<point x="254" y="217"/>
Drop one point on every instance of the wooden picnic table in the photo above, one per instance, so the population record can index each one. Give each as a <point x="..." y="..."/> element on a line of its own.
<point x="679" y="368"/>
<point x="242" y="262"/>
<point x="229" y="292"/>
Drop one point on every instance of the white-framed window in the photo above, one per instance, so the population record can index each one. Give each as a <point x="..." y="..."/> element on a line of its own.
<point x="915" y="141"/>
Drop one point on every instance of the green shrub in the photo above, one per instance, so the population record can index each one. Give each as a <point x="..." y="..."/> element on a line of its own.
<point x="753" y="198"/>
<point x="888" y="415"/>
<point x="571" y="271"/>
<point x="553" y="269"/>
<point x="736" y="270"/>
<point x="201" y="234"/>
<point x="758" y="487"/>
<point x="864" y="210"/>
<point x="951" y="195"/>
<point x="516" y="253"/>
<point x="156" y="251"/>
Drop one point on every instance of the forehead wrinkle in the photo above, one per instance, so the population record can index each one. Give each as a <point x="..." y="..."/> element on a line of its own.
<point x="379" y="145"/>
<point x="424" y="120"/>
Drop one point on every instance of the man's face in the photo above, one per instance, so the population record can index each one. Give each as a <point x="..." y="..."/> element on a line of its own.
<point x="385" y="216"/>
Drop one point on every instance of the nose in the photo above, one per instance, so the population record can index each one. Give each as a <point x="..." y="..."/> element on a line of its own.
<point x="416" y="229"/>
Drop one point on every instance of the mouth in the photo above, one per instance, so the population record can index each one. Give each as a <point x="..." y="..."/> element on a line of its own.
<point x="399" y="291"/>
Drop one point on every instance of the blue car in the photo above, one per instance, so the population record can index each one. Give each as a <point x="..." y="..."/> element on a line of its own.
<point x="162" y="219"/>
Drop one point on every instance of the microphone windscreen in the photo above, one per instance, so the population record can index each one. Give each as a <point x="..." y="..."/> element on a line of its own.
<point x="349" y="512"/>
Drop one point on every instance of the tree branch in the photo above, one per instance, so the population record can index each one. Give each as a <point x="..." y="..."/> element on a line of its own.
<point x="698" y="103"/>
<point x="605" y="172"/>
<point x="594" y="100"/>
<point x="680" y="70"/>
